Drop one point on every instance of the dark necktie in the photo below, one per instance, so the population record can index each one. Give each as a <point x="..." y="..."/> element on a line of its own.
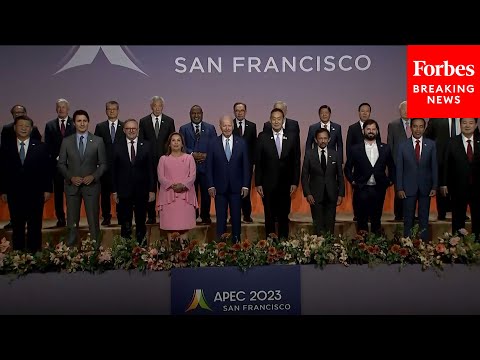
<point x="197" y="130"/>
<point x="240" y="127"/>
<point x="417" y="150"/>
<point x="453" y="129"/>
<point x="469" y="151"/>
<point x="62" y="128"/>
<point x="81" y="147"/>
<point x="157" y="127"/>
<point x="323" y="161"/>
<point x="132" y="152"/>
<point x="22" y="152"/>
<point x="112" y="133"/>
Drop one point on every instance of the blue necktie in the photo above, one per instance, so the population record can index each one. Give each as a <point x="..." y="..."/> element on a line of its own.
<point x="278" y="143"/>
<point x="81" y="148"/>
<point x="22" y="152"/>
<point x="112" y="133"/>
<point x="228" y="152"/>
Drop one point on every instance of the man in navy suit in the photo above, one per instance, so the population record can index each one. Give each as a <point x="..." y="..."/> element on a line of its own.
<point x="198" y="134"/>
<point x="335" y="130"/>
<point x="417" y="177"/>
<point x="366" y="169"/>
<point x="133" y="180"/>
<point x="228" y="177"/>
<point x="55" y="130"/>
<point x="277" y="173"/>
<point x="26" y="185"/>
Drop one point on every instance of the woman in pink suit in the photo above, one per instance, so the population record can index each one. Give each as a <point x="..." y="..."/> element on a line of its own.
<point x="176" y="200"/>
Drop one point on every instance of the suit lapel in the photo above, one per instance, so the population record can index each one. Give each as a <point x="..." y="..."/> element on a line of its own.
<point x="119" y="131"/>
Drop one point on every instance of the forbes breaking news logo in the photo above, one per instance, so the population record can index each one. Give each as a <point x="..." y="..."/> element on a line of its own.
<point x="198" y="299"/>
<point x="442" y="81"/>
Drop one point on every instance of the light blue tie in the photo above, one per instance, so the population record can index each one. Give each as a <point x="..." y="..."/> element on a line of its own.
<point x="278" y="143"/>
<point x="81" y="147"/>
<point x="228" y="152"/>
<point x="22" y="152"/>
<point x="112" y="133"/>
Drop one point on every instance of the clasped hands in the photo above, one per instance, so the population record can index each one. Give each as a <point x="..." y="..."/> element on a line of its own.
<point x="199" y="157"/>
<point x="78" y="180"/>
<point x="178" y="188"/>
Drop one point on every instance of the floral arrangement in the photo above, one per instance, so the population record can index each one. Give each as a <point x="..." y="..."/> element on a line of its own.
<point x="301" y="248"/>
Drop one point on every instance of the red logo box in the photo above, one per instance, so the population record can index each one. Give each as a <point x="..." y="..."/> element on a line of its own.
<point x="442" y="81"/>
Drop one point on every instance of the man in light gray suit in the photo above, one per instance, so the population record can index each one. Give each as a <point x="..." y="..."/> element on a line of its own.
<point x="322" y="182"/>
<point x="399" y="130"/>
<point x="82" y="161"/>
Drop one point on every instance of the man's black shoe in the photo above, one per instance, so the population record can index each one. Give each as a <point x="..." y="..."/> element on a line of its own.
<point x="61" y="223"/>
<point x="248" y="219"/>
<point x="151" y="221"/>
<point x="8" y="226"/>
<point x="106" y="222"/>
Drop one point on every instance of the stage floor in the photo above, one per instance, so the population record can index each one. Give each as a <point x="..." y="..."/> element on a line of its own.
<point x="253" y="231"/>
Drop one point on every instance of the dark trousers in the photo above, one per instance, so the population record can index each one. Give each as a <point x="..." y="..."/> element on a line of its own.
<point x="26" y="211"/>
<point x="398" y="205"/>
<point x="323" y="215"/>
<point x="205" y="200"/>
<point x="224" y="202"/>
<point x="247" y="201"/>
<point x="58" y="195"/>
<point x="459" y="210"/>
<point x="126" y="208"/>
<point x="409" y="205"/>
<point x="151" y="211"/>
<point x="444" y="205"/>
<point x="105" y="198"/>
<point x="276" y="204"/>
<point x="370" y="201"/>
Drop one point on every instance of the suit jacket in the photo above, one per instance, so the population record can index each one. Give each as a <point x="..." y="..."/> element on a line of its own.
<point x="359" y="169"/>
<point x="438" y="130"/>
<point x="290" y="125"/>
<point x="103" y="130"/>
<point x="137" y="178"/>
<point x="29" y="179"/>
<point x="249" y="136"/>
<point x="8" y="134"/>
<point x="228" y="176"/>
<point x="94" y="162"/>
<point x="457" y="170"/>
<point x="272" y="172"/>
<point x="336" y="140"/>
<point x="413" y="177"/>
<point x="147" y="132"/>
<point x="53" y="136"/>
<point x="192" y="144"/>
<point x="315" y="180"/>
<point x="396" y="135"/>
<point x="355" y="136"/>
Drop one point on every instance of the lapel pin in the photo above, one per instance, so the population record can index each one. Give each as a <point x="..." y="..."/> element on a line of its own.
<point x="271" y="138"/>
<point x="284" y="138"/>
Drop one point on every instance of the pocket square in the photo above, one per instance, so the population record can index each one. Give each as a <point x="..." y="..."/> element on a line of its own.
<point x="334" y="162"/>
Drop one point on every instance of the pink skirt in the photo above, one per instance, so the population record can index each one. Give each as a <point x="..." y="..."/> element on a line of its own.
<point x="177" y="215"/>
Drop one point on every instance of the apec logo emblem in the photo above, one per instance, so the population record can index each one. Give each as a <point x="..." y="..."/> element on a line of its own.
<point x="116" y="55"/>
<point x="198" y="299"/>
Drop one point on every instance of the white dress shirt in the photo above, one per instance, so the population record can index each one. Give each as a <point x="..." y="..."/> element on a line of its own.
<point x="465" y="144"/>
<point x="372" y="154"/>
<point x="26" y="142"/>
<point x="154" y="120"/>
<point x="129" y="147"/>
<point x="280" y="133"/>
<point x="414" y="141"/>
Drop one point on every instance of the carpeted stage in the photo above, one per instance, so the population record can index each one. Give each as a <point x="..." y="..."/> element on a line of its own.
<point x="253" y="231"/>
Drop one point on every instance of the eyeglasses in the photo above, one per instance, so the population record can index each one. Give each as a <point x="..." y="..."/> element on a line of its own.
<point x="130" y="129"/>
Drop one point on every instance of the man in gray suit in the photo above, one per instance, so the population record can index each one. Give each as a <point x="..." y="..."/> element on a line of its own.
<point x="322" y="182"/>
<point x="398" y="131"/>
<point x="82" y="161"/>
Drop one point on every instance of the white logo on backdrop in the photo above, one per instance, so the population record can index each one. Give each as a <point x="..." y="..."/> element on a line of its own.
<point x="85" y="55"/>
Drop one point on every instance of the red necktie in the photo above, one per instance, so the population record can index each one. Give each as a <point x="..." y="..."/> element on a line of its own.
<point x="132" y="152"/>
<point x="62" y="128"/>
<point x="417" y="150"/>
<point x="469" y="151"/>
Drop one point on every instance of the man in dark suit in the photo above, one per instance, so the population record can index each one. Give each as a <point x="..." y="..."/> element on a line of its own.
<point x="398" y="131"/>
<point x="441" y="130"/>
<point x="82" y="162"/>
<point x="156" y="128"/>
<point x="198" y="134"/>
<point x="55" y="130"/>
<point x="322" y="182"/>
<point x="277" y="172"/>
<point x="366" y="169"/>
<point x="461" y="176"/>
<point x="228" y="177"/>
<point x="248" y="131"/>
<point x="355" y="136"/>
<point x="8" y="135"/>
<point x="26" y="185"/>
<point x="111" y="131"/>
<point x="335" y="130"/>
<point x="289" y="125"/>
<point x="417" y="177"/>
<point x="133" y="180"/>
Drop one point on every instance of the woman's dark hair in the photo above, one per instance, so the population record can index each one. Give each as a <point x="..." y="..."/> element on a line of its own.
<point x="168" y="150"/>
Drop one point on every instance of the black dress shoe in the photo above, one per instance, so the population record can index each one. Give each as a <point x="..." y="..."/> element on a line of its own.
<point x="151" y="221"/>
<point x="467" y="218"/>
<point x="248" y="219"/>
<point x="206" y="221"/>
<point x="61" y="223"/>
<point x="106" y="222"/>
<point x="230" y="220"/>
<point x="8" y="226"/>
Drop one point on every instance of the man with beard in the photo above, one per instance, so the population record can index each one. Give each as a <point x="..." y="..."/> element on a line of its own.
<point x="366" y="169"/>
